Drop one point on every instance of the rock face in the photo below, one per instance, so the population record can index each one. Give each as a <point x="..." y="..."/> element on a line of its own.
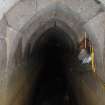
<point x="22" y="22"/>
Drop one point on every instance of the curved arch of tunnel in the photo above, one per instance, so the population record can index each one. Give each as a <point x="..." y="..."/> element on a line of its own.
<point x="52" y="56"/>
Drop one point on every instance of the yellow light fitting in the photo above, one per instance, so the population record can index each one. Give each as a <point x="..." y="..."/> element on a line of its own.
<point x="93" y="60"/>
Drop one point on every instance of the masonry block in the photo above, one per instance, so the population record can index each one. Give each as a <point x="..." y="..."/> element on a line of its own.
<point x="3" y="54"/>
<point x="85" y="8"/>
<point x="41" y="4"/>
<point x="19" y="15"/>
<point x="5" y="5"/>
<point x="12" y="39"/>
<point x="3" y="27"/>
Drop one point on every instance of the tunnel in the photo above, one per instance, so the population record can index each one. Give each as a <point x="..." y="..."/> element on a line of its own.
<point x="50" y="67"/>
<point x="39" y="48"/>
<point x="54" y="54"/>
<point x="50" y="73"/>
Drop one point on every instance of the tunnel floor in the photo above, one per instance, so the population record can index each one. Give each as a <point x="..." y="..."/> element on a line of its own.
<point x="56" y="57"/>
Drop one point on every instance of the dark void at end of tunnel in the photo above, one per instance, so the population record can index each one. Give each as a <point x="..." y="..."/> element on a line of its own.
<point x="54" y="53"/>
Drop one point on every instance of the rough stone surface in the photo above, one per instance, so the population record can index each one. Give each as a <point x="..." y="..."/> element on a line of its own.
<point x="70" y="18"/>
<point x="5" y="5"/>
<point x="41" y="4"/>
<point x="3" y="26"/>
<point x="3" y="61"/>
<point x="69" y="31"/>
<point x="96" y="30"/>
<point x="12" y="43"/>
<point x="19" y="15"/>
<point x="85" y="8"/>
<point x="2" y="54"/>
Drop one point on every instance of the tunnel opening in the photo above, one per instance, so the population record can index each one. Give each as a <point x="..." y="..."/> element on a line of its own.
<point x="53" y="57"/>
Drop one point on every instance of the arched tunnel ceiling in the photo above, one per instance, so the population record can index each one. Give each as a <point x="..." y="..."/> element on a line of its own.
<point x="21" y="18"/>
<point x="75" y="15"/>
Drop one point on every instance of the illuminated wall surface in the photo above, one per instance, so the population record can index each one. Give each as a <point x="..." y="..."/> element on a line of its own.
<point x="39" y="48"/>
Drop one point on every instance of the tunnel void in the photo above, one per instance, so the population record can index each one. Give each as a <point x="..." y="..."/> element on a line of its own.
<point x="52" y="57"/>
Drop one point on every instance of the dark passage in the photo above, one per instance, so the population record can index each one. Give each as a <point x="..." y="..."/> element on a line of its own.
<point x="54" y="53"/>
